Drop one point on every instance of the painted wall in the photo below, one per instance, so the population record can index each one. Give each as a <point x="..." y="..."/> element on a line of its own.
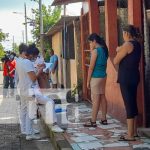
<point x="71" y="66"/>
<point x="73" y="70"/>
<point x="113" y="94"/>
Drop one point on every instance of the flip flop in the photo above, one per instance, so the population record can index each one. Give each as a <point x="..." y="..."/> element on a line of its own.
<point x="90" y="124"/>
<point x="136" y="136"/>
<point x="104" y="122"/>
<point x="122" y="138"/>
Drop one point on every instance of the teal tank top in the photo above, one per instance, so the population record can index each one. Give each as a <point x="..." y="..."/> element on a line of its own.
<point x="100" y="64"/>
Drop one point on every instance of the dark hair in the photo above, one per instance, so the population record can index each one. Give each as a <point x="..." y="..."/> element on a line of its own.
<point x="32" y="50"/>
<point x="22" y="48"/>
<point x="51" y="50"/>
<point x="99" y="40"/>
<point x="134" y="31"/>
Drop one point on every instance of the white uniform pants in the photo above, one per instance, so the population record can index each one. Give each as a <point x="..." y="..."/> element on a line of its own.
<point x="50" y="115"/>
<point x="25" y="121"/>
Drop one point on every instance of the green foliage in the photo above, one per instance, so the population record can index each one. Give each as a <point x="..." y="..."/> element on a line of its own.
<point x="15" y="48"/>
<point x="3" y="36"/>
<point x="50" y="17"/>
<point x="47" y="56"/>
<point x="2" y="53"/>
<point x="76" y="88"/>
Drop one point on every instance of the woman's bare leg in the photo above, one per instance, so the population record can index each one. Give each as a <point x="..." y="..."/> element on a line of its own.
<point x="103" y="106"/>
<point x="130" y="124"/>
<point x="95" y="106"/>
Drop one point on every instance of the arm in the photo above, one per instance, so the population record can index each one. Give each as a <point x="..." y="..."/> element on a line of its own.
<point x="91" y="67"/>
<point x="16" y="78"/>
<point x="55" y="65"/>
<point x="122" y="51"/>
<point x="14" y="67"/>
<point x="33" y="76"/>
<point x="12" y="71"/>
<point x="29" y="68"/>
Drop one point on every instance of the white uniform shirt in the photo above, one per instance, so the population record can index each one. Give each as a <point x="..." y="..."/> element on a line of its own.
<point x="23" y="66"/>
<point x="39" y="60"/>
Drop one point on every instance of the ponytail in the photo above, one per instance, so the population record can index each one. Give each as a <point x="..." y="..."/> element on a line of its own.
<point x="99" y="40"/>
<point x="134" y="31"/>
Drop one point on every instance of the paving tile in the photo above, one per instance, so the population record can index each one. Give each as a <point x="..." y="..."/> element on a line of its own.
<point x="106" y="136"/>
<point x="118" y="148"/>
<point x="75" y="146"/>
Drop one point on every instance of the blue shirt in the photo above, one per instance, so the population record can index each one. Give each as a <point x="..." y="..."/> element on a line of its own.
<point x="100" y="64"/>
<point x="53" y="59"/>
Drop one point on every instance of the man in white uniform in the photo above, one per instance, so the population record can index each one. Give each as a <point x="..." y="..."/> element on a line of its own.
<point x="28" y="84"/>
<point x="24" y="67"/>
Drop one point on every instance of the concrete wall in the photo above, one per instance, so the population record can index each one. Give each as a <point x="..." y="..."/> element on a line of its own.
<point x="73" y="70"/>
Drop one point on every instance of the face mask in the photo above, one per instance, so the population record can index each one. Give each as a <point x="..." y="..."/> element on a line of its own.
<point x="33" y="59"/>
<point x="11" y="57"/>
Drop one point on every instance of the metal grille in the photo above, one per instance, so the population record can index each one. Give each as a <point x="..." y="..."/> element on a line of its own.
<point x="122" y="12"/>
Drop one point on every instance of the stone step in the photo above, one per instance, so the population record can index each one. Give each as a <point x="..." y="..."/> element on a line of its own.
<point x="144" y="132"/>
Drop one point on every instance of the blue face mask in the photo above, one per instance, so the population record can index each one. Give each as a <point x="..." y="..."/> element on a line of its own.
<point x="11" y="57"/>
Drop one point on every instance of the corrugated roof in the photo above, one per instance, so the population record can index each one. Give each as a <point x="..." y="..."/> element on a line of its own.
<point x="61" y="2"/>
<point x="60" y="24"/>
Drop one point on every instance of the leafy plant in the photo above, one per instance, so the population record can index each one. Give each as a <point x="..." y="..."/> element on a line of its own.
<point x="3" y="36"/>
<point x="50" y="17"/>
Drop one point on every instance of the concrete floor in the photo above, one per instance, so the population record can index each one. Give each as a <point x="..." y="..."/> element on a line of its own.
<point x="10" y="138"/>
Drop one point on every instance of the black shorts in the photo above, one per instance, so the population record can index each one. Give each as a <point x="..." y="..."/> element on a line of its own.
<point x="129" y="94"/>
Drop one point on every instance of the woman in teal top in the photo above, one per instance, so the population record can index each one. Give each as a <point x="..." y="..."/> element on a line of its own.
<point x="97" y="78"/>
<point x="99" y="70"/>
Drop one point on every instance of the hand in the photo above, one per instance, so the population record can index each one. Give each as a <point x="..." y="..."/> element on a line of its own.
<point x="40" y="70"/>
<point x="41" y="65"/>
<point x="117" y="49"/>
<point x="88" y="85"/>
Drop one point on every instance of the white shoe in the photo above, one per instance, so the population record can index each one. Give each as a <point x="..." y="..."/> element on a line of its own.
<point x="36" y="131"/>
<point x="23" y="133"/>
<point x="32" y="137"/>
<point x="35" y="121"/>
<point x="57" y="129"/>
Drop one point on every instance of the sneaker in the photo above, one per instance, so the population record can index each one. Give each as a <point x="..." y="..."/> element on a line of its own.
<point x="23" y="133"/>
<point x="36" y="121"/>
<point x="32" y="137"/>
<point x="36" y="131"/>
<point x="57" y="129"/>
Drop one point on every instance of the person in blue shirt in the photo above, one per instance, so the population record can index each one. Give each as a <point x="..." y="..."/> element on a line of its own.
<point x="97" y="78"/>
<point x="53" y="69"/>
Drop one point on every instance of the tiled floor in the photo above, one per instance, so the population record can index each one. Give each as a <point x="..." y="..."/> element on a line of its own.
<point x="103" y="137"/>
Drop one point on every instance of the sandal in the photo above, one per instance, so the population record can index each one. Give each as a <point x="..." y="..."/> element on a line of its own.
<point x="90" y="124"/>
<point x="123" y="138"/>
<point x="136" y="136"/>
<point x="104" y="122"/>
